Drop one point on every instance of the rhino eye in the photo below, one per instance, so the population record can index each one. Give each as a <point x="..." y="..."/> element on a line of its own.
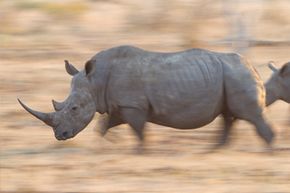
<point x="74" y="108"/>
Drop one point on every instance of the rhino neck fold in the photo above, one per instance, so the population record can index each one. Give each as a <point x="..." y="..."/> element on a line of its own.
<point x="99" y="100"/>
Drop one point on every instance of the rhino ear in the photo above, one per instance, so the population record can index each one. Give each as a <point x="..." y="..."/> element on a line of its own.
<point x="70" y="68"/>
<point x="89" y="67"/>
<point x="272" y="66"/>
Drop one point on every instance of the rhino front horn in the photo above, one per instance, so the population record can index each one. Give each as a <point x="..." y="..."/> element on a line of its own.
<point x="47" y="118"/>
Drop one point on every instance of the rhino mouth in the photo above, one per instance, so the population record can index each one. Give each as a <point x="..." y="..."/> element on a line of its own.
<point x="61" y="136"/>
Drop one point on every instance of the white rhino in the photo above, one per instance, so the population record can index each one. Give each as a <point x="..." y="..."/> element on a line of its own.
<point x="183" y="90"/>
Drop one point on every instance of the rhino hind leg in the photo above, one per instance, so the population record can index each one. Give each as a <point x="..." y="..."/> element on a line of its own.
<point x="254" y="115"/>
<point x="264" y="129"/>
<point x="228" y="121"/>
<point x="248" y="105"/>
<point x="136" y="119"/>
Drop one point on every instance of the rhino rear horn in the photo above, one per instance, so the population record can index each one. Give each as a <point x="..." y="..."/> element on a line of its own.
<point x="70" y="68"/>
<point x="47" y="118"/>
<point x="58" y="105"/>
<point x="272" y="66"/>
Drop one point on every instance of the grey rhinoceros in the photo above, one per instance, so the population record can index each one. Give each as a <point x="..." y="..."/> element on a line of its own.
<point x="183" y="90"/>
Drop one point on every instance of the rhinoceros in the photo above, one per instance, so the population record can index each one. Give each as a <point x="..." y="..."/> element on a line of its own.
<point x="182" y="90"/>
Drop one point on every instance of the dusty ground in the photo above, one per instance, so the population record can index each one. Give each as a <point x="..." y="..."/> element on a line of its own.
<point x="31" y="160"/>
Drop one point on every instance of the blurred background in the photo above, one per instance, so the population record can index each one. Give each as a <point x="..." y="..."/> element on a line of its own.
<point x="37" y="35"/>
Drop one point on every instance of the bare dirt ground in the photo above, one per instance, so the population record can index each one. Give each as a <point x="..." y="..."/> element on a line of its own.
<point x="32" y="68"/>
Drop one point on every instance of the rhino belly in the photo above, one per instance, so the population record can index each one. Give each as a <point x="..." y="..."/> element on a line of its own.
<point x="192" y="116"/>
<point x="184" y="91"/>
<point x="192" y="105"/>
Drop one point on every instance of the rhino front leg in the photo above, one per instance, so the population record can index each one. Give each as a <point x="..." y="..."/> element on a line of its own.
<point x="136" y="118"/>
<point x="108" y="121"/>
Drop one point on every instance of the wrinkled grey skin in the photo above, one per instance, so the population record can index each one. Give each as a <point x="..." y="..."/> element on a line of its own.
<point x="183" y="90"/>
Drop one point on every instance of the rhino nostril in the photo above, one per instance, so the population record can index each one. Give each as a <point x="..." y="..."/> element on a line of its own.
<point x="65" y="134"/>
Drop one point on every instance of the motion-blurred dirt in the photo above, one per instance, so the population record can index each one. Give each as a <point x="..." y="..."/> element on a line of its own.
<point x="36" y="37"/>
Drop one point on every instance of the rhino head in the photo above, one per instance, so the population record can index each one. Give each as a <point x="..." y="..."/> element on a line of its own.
<point x="278" y="86"/>
<point x="75" y="113"/>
